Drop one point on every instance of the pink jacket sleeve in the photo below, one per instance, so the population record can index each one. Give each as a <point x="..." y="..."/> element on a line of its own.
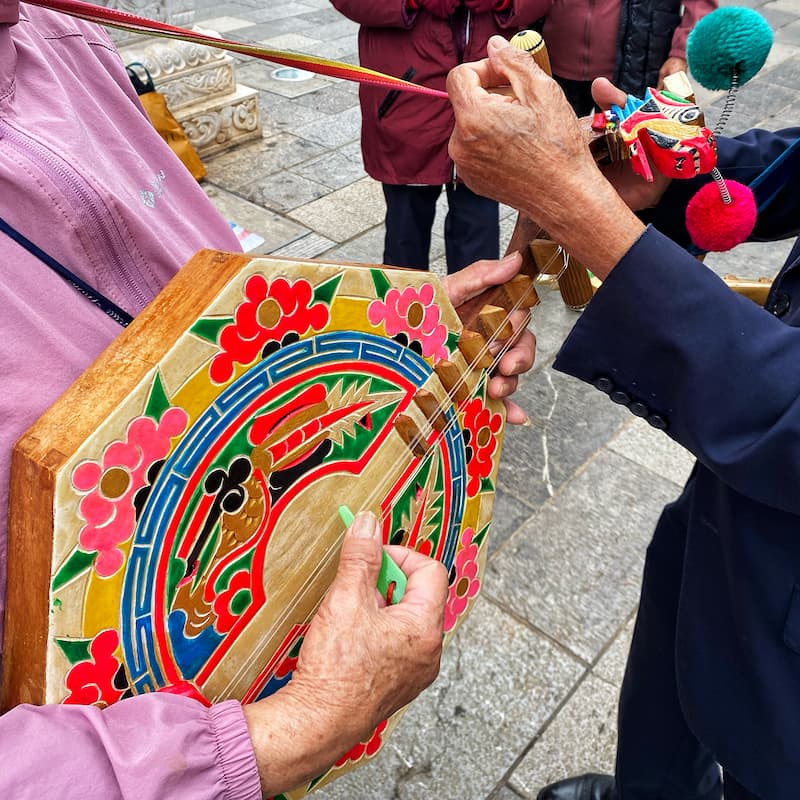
<point x="693" y="10"/>
<point x="150" y="747"/>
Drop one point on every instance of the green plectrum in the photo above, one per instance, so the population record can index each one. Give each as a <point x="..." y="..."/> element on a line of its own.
<point x="391" y="579"/>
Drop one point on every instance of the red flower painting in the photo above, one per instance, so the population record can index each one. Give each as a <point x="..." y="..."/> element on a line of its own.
<point x="92" y="681"/>
<point x="483" y="427"/>
<point x="272" y="309"/>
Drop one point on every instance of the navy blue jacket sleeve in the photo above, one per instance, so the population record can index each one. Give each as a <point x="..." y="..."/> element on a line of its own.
<point x="740" y="159"/>
<point x="723" y="375"/>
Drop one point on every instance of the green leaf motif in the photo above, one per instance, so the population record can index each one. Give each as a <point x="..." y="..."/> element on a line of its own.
<point x="157" y="402"/>
<point x="381" y="283"/>
<point x="76" y="650"/>
<point x="325" y="292"/>
<point x="78" y="562"/>
<point x="481" y="534"/>
<point x="452" y="341"/>
<point x="487" y="485"/>
<point x="208" y="329"/>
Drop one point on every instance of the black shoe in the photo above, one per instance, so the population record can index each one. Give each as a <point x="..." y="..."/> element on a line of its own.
<point x="584" y="787"/>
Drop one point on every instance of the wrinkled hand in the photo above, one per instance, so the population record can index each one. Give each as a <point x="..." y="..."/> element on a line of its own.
<point x="440" y="8"/>
<point x="528" y="151"/>
<point x="361" y="661"/>
<point x="468" y="284"/>
<point x="480" y="6"/>
<point x="670" y="67"/>
<point x="632" y="188"/>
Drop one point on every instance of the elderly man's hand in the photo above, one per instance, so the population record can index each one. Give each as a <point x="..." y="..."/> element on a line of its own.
<point x="527" y="151"/>
<point x="469" y="284"/>
<point x="361" y="661"/>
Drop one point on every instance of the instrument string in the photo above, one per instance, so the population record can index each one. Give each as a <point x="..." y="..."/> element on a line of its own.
<point x="256" y="654"/>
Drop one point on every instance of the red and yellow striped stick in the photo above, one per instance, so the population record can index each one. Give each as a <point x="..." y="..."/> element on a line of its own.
<point x="113" y="18"/>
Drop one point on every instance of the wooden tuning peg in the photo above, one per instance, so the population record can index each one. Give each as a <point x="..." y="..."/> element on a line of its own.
<point x="519" y="292"/>
<point x="427" y="403"/>
<point x="493" y="323"/>
<point x="475" y="350"/>
<point x="452" y="380"/>
<point x="411" y="435"/>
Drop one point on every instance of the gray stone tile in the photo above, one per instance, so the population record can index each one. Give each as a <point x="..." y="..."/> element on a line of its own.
<point x="331" y="99"/>
<point x="266" y="80"/>
<point x="344" y="213"/>
<point x="333" y="130"/>
<point x="337" y="29"/>
<point x="573" y="569"/>
<point x="507" y="515"/>
<point x="499" y="683"/>
<point x="265" y="12"/>
<point x="333" y="170"/>
<point x="786" y="73"/>
<point x="225" y="25"/>
<point x="294" y="42"/>
<point x="505" y="792"/>
<point x="756" y="102"/>
<point x="282" y="191"/>
<point x="790" y="34"/>
<point x="276" y="230"/>
<point x="308" y="246"/>
<point x="279" y="115"/>
<point x="237" y="168"/>
<point x="582" y="738"/>
<point x="751" y="259"/>
<point x="366" y="248"/>
<point x="571" y="420"/>
<point x="611" y="666"/>
<point x="654" y="450"/>
<point x="776" y="16"/>
<point x="551" y="322"/>
<point x="319" y="15"/>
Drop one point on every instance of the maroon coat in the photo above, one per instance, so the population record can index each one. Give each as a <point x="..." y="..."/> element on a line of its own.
<point x="408" y="145"/>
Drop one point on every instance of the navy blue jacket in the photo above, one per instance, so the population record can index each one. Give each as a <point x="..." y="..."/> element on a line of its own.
<point x="665" y="336"/>
<point x="644" y="39"/>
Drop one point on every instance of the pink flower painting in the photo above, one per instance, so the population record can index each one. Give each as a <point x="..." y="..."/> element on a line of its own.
<point x="111" y="485"/>
<point x="466" y="583"/>
<point x="414" y="313"/>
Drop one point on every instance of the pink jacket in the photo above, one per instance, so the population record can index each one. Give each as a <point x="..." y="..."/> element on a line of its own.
<point x="83" y="175"/>
<point x="408" y="144"/>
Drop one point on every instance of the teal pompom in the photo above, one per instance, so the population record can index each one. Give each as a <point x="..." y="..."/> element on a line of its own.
<point x="728" y="38"/>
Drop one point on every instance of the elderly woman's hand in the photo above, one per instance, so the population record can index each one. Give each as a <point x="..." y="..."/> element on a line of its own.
<point x="361" y="661"/>
<point x="468" y="285"/>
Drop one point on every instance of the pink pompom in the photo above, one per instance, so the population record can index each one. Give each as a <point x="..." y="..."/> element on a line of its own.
<point x="715" y="225"/>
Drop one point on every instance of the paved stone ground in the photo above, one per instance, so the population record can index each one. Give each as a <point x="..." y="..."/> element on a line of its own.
<point x="527" y="692"/>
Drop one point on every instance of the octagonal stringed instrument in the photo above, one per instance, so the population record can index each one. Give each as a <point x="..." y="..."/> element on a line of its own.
<point x="174" y="515"/>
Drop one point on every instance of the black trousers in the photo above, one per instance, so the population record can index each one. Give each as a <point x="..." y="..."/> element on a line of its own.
<point x="658" y="756"/>
<point x="471" y="227"/>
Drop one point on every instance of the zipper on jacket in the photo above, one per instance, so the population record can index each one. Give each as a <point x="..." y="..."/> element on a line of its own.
<point x="460" y="52"/>
<point x="105" y="237"/>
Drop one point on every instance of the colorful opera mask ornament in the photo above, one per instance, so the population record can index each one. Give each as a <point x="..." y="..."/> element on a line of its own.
<point x="665" y="132"/>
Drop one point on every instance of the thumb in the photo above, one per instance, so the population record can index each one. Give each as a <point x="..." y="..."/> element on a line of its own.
<point x="360" y="557"/>
<point x="495" y="44"/>
<point x="605" y="94"/>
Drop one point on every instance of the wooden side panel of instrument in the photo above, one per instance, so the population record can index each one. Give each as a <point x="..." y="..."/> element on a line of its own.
<point x="35" y="465"/>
